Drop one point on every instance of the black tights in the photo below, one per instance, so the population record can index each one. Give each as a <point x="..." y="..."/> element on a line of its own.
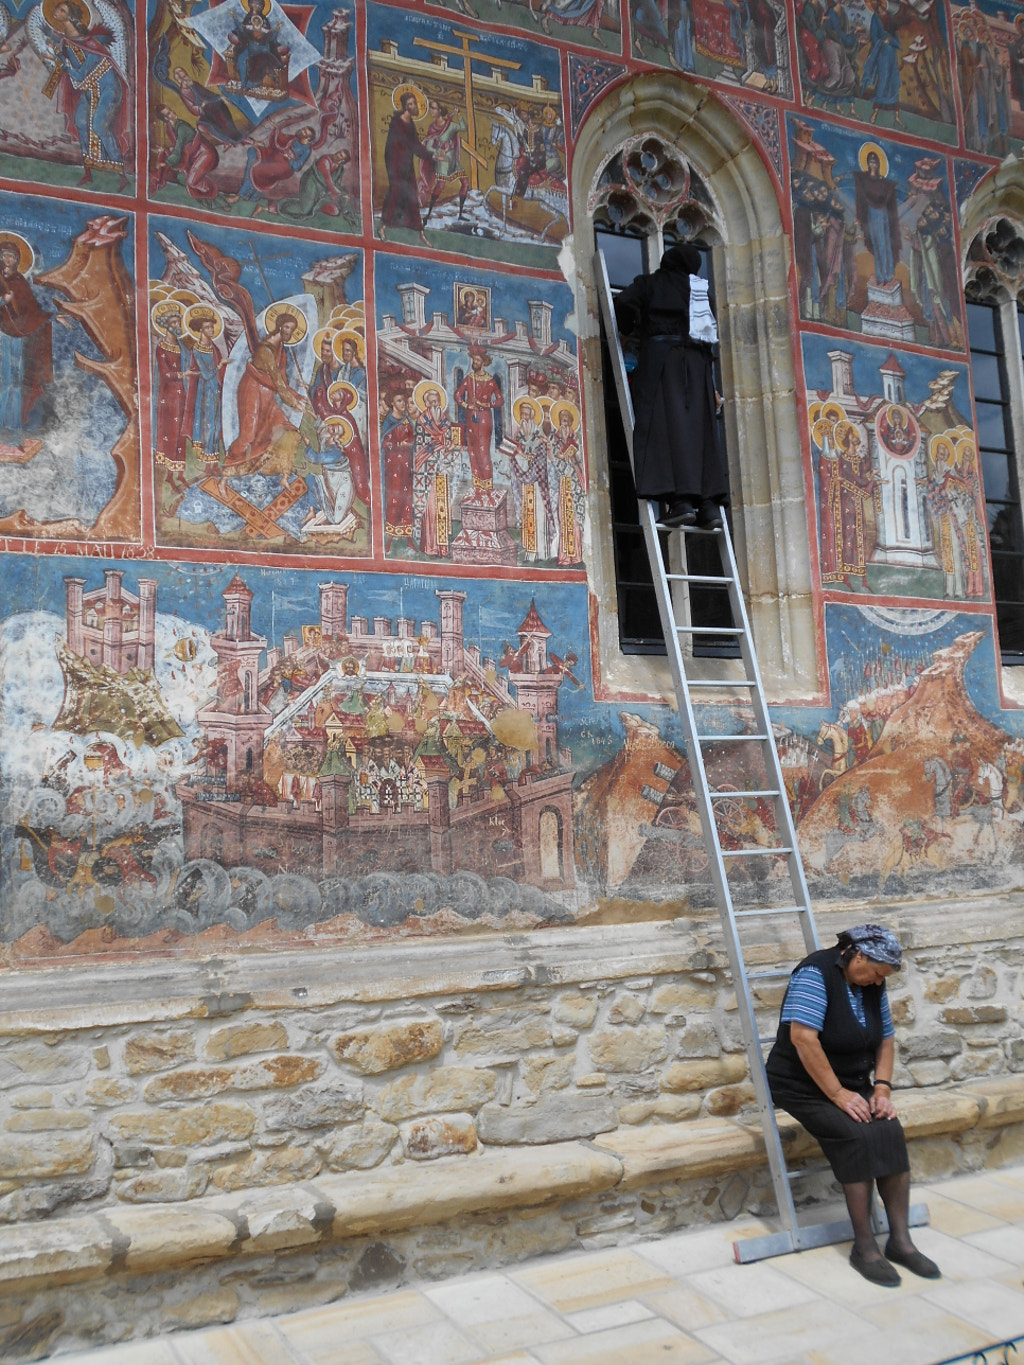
<point x="895" y="1195"/>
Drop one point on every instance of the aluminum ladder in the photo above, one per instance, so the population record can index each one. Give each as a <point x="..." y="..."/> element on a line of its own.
<point x="677" y="631"/>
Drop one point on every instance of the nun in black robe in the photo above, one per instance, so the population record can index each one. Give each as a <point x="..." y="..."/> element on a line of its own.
<point x="676" y="454"/>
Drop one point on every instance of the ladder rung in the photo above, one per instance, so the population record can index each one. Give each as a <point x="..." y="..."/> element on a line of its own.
<point x="768" y="976"/>
<point x="698" y="578"/>
<point x="724" y="739"/>
<point x="721" y="682"/>
<point x="766" y="1038"/>
<point x="711" y="630"/>
<point x="771" y="910"/>
<point x="754" y="852"/>
<point x="728" y="796"/>
<point x="691" y="530"/>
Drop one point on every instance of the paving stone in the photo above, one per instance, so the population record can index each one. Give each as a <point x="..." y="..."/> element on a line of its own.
<point x="641" y="1343"/>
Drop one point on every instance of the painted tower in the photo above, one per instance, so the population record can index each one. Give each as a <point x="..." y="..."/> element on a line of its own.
<point x="110" y="626"/>
<point x="333" y="610"/>
<point x="236" y="723"/>
<point x="452" y="656"/>
<point x="537" y="684"/>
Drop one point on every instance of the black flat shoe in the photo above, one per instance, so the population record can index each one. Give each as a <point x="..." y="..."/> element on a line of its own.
<point x="679" y="512"/>
<point x="878" y="1272"/>
<point x="915" y="1261"/>
<point x="709" y="516"/>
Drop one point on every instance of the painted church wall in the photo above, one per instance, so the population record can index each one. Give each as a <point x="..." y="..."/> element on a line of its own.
<point x="298" y="491"/>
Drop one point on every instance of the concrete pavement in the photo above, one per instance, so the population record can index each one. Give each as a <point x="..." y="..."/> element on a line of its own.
<point x="681" y="1300"/>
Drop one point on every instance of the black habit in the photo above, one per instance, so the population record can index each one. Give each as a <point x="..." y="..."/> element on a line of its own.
<point x="401" y="207"/>
<point x="676" y="453"/>
<point x="856" y="1151"/>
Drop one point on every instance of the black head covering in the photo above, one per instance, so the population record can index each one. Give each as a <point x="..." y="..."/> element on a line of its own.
<point x="683" y="258"/>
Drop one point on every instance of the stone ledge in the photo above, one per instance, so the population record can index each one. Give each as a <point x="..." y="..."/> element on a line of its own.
<point x="390" y="1199"/>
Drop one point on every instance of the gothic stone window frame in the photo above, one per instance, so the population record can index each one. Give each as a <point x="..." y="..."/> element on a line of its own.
<point x="768" y="479"/>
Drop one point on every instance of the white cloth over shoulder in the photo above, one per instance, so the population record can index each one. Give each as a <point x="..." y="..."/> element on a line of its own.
<point x="703" y="326"/>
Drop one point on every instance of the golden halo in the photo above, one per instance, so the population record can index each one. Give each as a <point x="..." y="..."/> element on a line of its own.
<point x="164" y="308"/>
<point x="841" y="430"/>
<point x="318" y="338"/>
<point x="525" y="401"/>
<point x="563" y="405"/>
<point x="247" y="6"/>
<point x="934" y="444"/>
<point x="277" y="310"/>
<point x="420" y="391"/>
<point x="814" y="412"/>
<point x="158" y="290"/>
<point x="183" y="296"/>
<point x="347" y="312"/>
<point x="545" y="402"/>
<point x="399" y="93"/>
<point x="341" y="387"/>
<point x="822" y="431"/>
<point x="346" y="431"/>
<point x="356" y="340"/>
<point x="26" y="256"/>
<point x="883" y="160"/>
<point x="966" y="449"/>
<point x="200" y="312"/>
<point x="81" y="5"/>
<point x="833" y="412"/>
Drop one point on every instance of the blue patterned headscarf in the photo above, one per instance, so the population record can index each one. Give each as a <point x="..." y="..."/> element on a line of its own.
<point x="874" y="941"/>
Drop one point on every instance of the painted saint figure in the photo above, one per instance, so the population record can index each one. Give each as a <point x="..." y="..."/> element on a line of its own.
<point x="880" y="77"/>
<point x="397" y="439"/>
<point x="443" y="140"/>
<point x="267" y="437"/>
<point x="877" y="207"/>
<point x="432" y="508"/>
<point x="259" y="59"/>
<point x="91" y="88"/>
<point x="848" y="484"/>
<point x="26" y="341"/>
<point x="479" y="394"/>
<point x="568" y="490"/>
<point x="530" y="475"/>
<point x="320" y="190"/>
<point x="270" y="167"/>
<point x="204" y="378"/>
<point x="172" y="357"/>
<point x="401" y="207"/>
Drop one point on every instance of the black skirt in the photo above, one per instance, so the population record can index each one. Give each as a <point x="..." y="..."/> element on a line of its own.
<point x="855" y="1151"/>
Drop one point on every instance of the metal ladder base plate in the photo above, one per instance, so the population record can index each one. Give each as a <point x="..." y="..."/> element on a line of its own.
<point x="815" y="1235"/>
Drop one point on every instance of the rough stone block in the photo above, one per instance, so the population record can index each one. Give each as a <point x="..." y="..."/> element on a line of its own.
<point x="269" y="1073"/>
<point x="239" y="1039"/>
<point x="389" y="1045"/>
<point x="504" y="1031"/>
<point x="159" y="1238"/>
<point x="591" y="1079"/>
<point x="926" y="1046"/>
<point x="670" y="1151"/>
<point x="929" y="1073"/>
<point x="626" y="1009"/>
<point x="730" y="1099"/>
<point x="675" y="1108"/>
<point x="358" y="1146"/>
<point x="1000" y="1100"/>
<point x="976" y="1063"/>
<point x="158" y="1051"/>
<point x="315" y="1107"/>
<point x="939" y="989"/>
<point x="544" y="1073"/>
<point x="387" y="1200"/>
<point x="426" y="1139"/>
<point x="699" y="1040"/>
<point x="982" y="983"/>
<point x="578" y="1011"/>
<point x="202" y="1310"/>
<point x="924" y="1113"/>
<point x="108" y="1092"/>
<point x="35" y="1155"/>
<point x="628" y="1049"/>
<point x="276" y="1167"/>
<point x="439" y="1091"/>
<point x="704" y="1073"/>
<point x="47" y="1120"/>
<point x="902" y="1009"/>
<point x="31" y="1099"/>
<point x="277" y="1219"/>
<point x="554" y="1118"/>
<point x="202" y="1124"/>
<point x="974" y="1014"/>
<point x="47" y="1065"/>
<point x="61" y="1252"/>
<point x="688" y="994"/>
<point x="172" y="1186"/>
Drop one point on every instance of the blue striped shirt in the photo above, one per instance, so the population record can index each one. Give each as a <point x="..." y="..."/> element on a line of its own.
<point x="807" y="1001"/>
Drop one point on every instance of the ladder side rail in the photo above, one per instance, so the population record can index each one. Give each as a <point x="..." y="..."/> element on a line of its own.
<point x="763" y="725"/>
<point x="698" y="773"/>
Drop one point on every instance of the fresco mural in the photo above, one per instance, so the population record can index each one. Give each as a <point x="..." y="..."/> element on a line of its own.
<point x="873" y="236"/>
<point x="253" y="110"/>
<point x="67" y="93"/>
<point x="595" y="23"/>
<point x="188" y="746"/>
<point x="260" y="399"/>
<point x="480" y="430"/>
<point x="878" y="61"/>
<point x="900" y="510"/>
<point x="989" y="45"/>
<point x="468" y="139"/>
<point x="743" y="44"/>
<point x="69" y="437"/>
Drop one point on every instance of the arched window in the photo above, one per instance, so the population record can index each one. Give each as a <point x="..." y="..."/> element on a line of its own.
<point x="994" y="293"/>
<point x="740" y="223"/>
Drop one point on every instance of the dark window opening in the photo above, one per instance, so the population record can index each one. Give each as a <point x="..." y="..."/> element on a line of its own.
<point x="991" y="353"/>
<point x="626" y="256"/>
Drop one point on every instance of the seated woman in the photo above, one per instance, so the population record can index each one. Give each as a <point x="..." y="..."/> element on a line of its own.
<point x="835" y="1030"/>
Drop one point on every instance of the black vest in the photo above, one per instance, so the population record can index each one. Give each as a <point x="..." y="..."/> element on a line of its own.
<point x="849" y="1045"/>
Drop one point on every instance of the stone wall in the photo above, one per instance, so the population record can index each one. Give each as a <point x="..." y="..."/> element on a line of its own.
<point x="212" y="1077"/>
